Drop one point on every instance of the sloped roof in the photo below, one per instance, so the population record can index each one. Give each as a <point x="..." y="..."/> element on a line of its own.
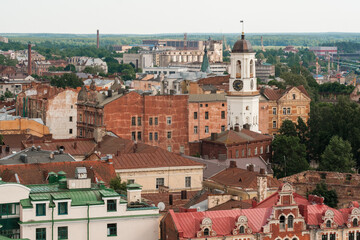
<point x="245" y="179"/>
<point x="155" y="159"/>
<point x="38" y="173"/>
<point x="316" y="212"/>
<point x="243" y="136"/>
<point x="207" y="97"/>
<point x="274" y="198"/>
<point x="276" y="94"/>
<point x="188" y="224"/>
<point x="232" y="204"/>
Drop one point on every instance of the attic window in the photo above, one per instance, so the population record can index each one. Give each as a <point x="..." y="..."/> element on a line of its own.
<point x="206" y="232"/>
<point x="240" y="180"/>
<point x="328" y="224"/>
<point x="294" y="96"/>
<point x="355" y="222"/>
<point x="242" y="229"/>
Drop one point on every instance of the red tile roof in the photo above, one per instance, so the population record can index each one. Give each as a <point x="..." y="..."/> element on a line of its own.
<point x="233" y="137"/>
<point x="38" y="173"/>
<point x="316" y="212"/>
<point x="238" y="177"/>
<point x="232" y="204"/>
<point x="154" y="159"/>
<point x="188" y="224"/>
<point x="274" y="198"/>
<point x="78" y="146"/>
<point x="276" y="94"/>
<point x="155" y="198"/>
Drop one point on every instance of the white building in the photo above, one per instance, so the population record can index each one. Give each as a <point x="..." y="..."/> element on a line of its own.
<point x="243" y="96"/>
<point x="75" y="209"/>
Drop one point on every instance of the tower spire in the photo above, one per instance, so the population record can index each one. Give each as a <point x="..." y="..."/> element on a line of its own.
<point x="243" y="31"/>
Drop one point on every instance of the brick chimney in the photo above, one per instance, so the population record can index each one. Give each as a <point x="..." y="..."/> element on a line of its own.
<point x="250" y="168"/>
<point x="237" y="128"/>
<point x="29" y="59"/>
<point x="232" y="164"/>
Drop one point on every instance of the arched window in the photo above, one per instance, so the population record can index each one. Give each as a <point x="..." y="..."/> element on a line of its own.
<point x="206" y="232"/>
<point x="238" y="69"/>
<point x="328" y="223"/>
<point x="282" y="222"/>
<point x="242" y="229"/>
<point x="290" y="221"/>
<point x="251" y="68"/>
<point x="355" y="222"/>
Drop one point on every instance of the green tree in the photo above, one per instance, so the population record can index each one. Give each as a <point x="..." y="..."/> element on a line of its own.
<point x="302" y="131"/>
<point x="8" y="94"/>
<point x="288" y="128"/>
<point x="93" y="70"/>
<point x="117" y="185"/>
<point x="70" y="67"/>
<point x="330" y="196"/>
<point x="337" y="156"/>
<point x="288" y="156"/>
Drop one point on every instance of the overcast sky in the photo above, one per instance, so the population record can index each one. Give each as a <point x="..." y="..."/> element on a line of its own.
<point x="169" y="16"/>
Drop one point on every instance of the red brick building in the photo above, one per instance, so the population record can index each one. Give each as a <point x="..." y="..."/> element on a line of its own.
<point x="284" y="215"/>
<point x="236" y="144"/>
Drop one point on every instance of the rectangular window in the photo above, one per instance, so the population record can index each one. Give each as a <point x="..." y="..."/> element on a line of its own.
<point x="111" y="229"/>
<point x="249" y="151"/>
<point x="159" y="182"/>
<point x="195" y="115"/>
<point x="40" y="234"/>
<point x="288" y="111"/>
<point x="130" y="181"/>
<point x="255" y="151"/>
<point x="70" y="119"/>
<point x="62" y="233"/>
<point x="139" y="136"/>
<point x="150" y="136"/>
<point x="274" y="124"/>
<point x="206" y="105"/>
<point x="133" y="136"/>
<point x="169" y="135"/>
<point x="150" y="121"/>
<point x="284" y="111"/>
<point x="139" y="121"/>
<point x="237" y="153"/>
<point x="206" y="115"/>
<point x="243" y="153"/>
<point x="40" y="209"/>
<point x="63" y="208"/>
<point x="168" y="120"/>
<point x="206" y="129"/>
<point x="261" y="150"/>
<point x="222" y="114"/>
<point x="351" y="236"/>
<point x="156" y="136"/>
<point x="188" y="182"/>
<point x="156" y="121"/>
<point x="222" y="128"/>
<point x="333" y="236"/>
<point x="274" y="111"/>
<point x="182" y="149"/>
<point x="80" y="118"/>
<point x="70" y="131"/>
<point x="268" y="148"/>
<point x="111" y="205"/>
<point x="133" y="121"/>
<point x="324" y="237"/>
<point x="200" y="105"/>
<point x="195" y="129"/>
<point x="357" y="236"/>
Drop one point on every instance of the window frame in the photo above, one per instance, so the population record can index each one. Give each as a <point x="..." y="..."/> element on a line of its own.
<point x="111" y="227"/>
<point x="66" y="212"/>
<point x="156" y="136"/>
<point x="222" y="114"/>
<point x="169" y="135"/>
<point x="158" y="182"/>
<point x="133" y="121"/>
<point x="188" y="182"/>
<point x="168" y="120"/>
<point x="43" y="206"/>
<point x="150" y="121"/>
<point x="150" y="136"/>
<point x="111" y="205"/>
<point x="63" y="230"/>
<point x="206" y="115"/>
<point x="41" y="232"/>
<point x="207" y="129"/>
<point x="195" y="115"/>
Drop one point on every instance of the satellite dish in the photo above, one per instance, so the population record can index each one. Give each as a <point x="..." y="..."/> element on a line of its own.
<point x="161" y="206"/>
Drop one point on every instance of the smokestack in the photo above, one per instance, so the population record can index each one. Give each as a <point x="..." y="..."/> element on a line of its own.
<point x="29" y="59"/>
<point x="98" y="39"/>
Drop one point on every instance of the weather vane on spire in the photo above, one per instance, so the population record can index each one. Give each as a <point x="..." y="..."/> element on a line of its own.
<point x="242" y="22"/>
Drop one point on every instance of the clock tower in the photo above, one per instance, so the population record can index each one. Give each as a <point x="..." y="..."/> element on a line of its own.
<point x="243" y="96"/>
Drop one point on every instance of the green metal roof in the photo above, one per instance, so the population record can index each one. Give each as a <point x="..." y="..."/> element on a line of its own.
<point x="40" y="197"/>
<point x="26" y="203"/>
<point x="109" y="193"/>
<point x="133" y="186"/>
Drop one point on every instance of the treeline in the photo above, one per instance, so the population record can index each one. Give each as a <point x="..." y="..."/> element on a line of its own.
<point x="345" y="46"/>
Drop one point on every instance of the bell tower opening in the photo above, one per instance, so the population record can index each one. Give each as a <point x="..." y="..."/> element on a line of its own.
<point x="252" y="68"/>
<point x="238" y="69"/>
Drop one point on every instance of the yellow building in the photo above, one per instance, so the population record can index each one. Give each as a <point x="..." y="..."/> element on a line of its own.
<point x="23" y="126"/>
<point x="159" y="169"/>
<point x="277" y="105"/>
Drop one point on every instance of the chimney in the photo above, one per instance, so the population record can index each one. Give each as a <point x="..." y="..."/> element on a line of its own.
<point x="250" y="168"/>
<point x="97" y="39"/>
<point x="213" y="136"/>
<point x="23" y="158"/>
<point x="75" y="145"/>
<point x="262" y="171"/>
<point x="253" y="203"/>
<point x="246" y="126"/>
<point x="7" y="148"/>
<point x="118" y="153"/>
<point x="135" y="147"/>
<point x="29" y="59"/>
<point x="38" y="148"/>
<point x="170" y="199"/>
<point x="109" y="93"/>
<point x="137" y="64"/>
<point x="52" y="156"/>
<point x="232" y="164"/>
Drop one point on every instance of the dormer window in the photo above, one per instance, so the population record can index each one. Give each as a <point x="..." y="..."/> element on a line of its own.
<point x="355" y="222"/>
<point x="206" y="228"/>
<point x="206" y="232"/>
<point x="242" y="229"/>
<point x="328" y="224"/>
<point x="241" y="226"/>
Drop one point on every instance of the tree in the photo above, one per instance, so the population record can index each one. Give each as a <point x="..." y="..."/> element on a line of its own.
<point x="117" y="185"/>
<point x="8" y="94"/>
<point x="288" y="128"/>
<point x="302" y="131"/>
<point x="67" y="80"/>
<point x="330" y="196"/>
<point x="337" y="156"/>
<point x="289" y="156"/>
<point x="70" y="67"/>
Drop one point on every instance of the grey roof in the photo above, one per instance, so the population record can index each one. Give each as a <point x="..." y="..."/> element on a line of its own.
<point x="98" y="82"/>
<point x="104" y="99"/>
<point x="207" y="97"/>
<point x="214" y="166"/>
<point x="35" y="156"/>
<point x="83" y="75"/>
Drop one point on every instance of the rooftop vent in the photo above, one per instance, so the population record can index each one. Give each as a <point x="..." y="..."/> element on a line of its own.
<point x="24" y="158"/>
<point x="80" y="173"/>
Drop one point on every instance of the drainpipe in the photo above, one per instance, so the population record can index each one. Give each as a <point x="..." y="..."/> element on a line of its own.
<point x="52" y="223"/>
<point x="88" y="221"/>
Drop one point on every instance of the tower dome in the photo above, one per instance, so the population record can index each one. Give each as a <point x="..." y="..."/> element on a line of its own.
<point x="242" y="46"/>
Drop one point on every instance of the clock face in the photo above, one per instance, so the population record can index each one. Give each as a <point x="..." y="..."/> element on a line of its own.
<point x="252" y="84"/>
<point x="238" y="85"/>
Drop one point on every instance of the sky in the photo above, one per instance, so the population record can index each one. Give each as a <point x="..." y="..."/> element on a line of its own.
<point x="180" y="16"/>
